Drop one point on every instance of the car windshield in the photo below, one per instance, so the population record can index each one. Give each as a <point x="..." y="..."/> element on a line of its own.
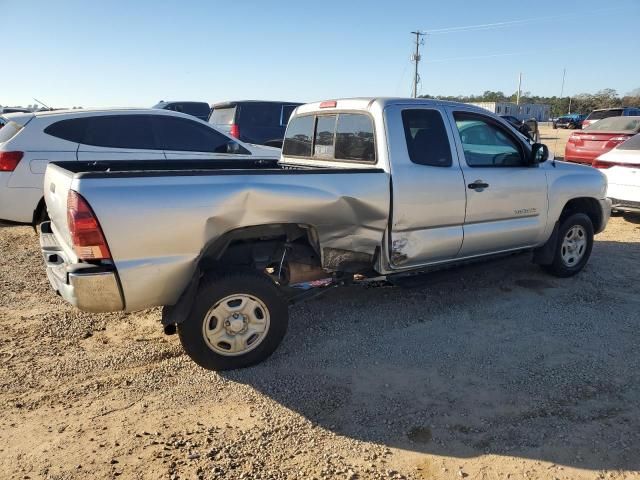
<point x="632" y="144"/>
<point x="600" y="114"/>
<point x="616" y="124"/>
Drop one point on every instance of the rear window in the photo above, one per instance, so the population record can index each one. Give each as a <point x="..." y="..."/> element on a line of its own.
<point x="71" y="130"/>
<point x="632" y="144"/>
<point x="426" y="136"/>
<point x="8" y="131"/>
<point x="615" y="124"/>
<point x="223" y="116"/>
<point x="354" y="138"/>
<point x="297" y="142"/>
<point x="600" y="114"/>
<point x="261" y="115"/>
<point x="345" y="136"/>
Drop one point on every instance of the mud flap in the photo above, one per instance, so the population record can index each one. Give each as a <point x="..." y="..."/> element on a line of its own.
<point x="545" y="254"/>
<point x="175" y="314"/>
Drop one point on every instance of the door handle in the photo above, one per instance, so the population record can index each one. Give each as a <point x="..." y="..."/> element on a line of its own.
<point x="478" y="185"/>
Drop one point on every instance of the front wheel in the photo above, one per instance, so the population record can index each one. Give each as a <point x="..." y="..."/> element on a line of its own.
<point x="573" y="246"/>
<point x="237" y="320"/>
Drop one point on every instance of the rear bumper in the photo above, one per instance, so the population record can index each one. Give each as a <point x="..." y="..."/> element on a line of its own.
<point x="625" y="205"/>
<point x="92" y="288"/>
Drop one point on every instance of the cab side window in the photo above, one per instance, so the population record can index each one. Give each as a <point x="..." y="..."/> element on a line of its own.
<point x="486" y="143"/>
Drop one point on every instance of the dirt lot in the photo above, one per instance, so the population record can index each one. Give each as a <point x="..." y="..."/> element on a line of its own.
<point x="492" y="371"/>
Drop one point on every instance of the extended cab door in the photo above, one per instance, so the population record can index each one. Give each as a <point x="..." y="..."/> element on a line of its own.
<point x="119" y="137"/>
<point x="506" y="196"/>
<point x="428" y="191"/>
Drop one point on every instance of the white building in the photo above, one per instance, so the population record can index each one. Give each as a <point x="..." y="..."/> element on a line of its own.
<point x="525" y="111"/>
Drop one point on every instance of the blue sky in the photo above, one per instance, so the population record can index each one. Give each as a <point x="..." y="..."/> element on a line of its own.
<point x="135" y="53"/>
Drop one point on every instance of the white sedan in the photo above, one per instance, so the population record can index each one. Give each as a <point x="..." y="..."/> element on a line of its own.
<point x="622" y="169"/>
<point x="29" y="141"/>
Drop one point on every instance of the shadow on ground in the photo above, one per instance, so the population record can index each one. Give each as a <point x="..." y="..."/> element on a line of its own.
<point x="495" y="358"/>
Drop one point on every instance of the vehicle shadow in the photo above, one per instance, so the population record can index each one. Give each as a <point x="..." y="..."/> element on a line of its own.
<point x="494" y="358"/>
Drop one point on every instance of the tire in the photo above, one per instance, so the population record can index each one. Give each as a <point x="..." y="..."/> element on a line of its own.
<point x="573" y="246"/>
<point x="235" y="340"/>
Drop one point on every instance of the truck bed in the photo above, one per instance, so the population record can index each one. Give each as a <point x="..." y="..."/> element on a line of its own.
<point x="158" y="217"/>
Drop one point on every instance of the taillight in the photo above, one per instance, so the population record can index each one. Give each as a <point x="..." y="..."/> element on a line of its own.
<point x="235" y="131"/>
<point x="612" y="142"/>
<point x="9" y="160"/>
<point x="86" y="234"/>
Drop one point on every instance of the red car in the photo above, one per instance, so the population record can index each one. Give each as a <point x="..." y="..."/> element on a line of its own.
<point x="584" y="146"/>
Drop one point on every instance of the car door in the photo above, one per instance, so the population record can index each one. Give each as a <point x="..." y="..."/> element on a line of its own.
<point x="506" y="195"/>
<point x="186" y="139"/>
<point x="428" y="191"/>
<point x="119" y="137"/>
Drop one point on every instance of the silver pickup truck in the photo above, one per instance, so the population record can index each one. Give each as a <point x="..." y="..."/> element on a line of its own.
<point x="365" y="188"/>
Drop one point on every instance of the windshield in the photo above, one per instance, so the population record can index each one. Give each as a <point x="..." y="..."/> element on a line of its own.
<point x="616" y="124"/>
<point x="223" y="116"/>
<point x="600" y="114"/>
<point x="632" y="144"/>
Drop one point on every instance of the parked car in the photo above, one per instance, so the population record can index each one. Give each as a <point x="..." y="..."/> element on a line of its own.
<point x="29" y="141"/>
<point x="596" y="115"/>
<point x="600" y="137"/>
<point x="253" y="121"/>
<point x="365" y="188"/>
<point x="528" y="128"/>
<point x="621" y="166"/>
<point x="4" y="110"/>
<point x="572" y="121"/>
<point x="199" y="110"/>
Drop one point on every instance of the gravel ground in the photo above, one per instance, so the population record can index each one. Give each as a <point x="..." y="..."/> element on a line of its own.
<point x="492" y="371"/>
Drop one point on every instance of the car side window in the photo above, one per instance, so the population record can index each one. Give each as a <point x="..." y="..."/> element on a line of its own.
<point x="72" y="129"/>
<point x="426" y="136"/>
<point x="486" y="143"/>
<point x="120" y="131"/>
<point x="181" y="134"/>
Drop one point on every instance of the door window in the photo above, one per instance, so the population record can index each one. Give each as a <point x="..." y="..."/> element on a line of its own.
<point x="426" y="136"/>
<point x="120" y="131"/>
<point x="486" y="144"/>
<point x="180" y="134"/>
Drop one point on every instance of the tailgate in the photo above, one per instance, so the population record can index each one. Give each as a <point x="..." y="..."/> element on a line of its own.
<point x="57" y="183"/>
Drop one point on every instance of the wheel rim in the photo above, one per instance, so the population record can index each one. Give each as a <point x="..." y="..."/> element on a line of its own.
<point x="574" y="245"/>
<point x="236" y="324"/>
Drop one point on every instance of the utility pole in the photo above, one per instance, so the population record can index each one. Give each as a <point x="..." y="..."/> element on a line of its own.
<point x="519" y="89"/>
<point x="416" y="59"/>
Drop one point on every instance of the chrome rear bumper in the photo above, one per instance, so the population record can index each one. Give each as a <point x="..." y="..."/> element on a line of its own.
<point x="93" y="288"/>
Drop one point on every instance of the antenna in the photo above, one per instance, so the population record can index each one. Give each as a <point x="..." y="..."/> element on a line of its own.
<point x="42" y="103"/>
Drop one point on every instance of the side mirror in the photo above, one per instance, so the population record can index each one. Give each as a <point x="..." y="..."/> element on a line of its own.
<point x="233" y="147"/>
<point x="539" y="153"/>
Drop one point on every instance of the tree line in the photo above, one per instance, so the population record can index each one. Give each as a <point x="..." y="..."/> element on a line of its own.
<point x="582" y="103"/>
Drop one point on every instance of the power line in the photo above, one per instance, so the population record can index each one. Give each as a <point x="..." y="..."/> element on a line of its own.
<point x="508" y="23"/>
<point x="416" y="59"/>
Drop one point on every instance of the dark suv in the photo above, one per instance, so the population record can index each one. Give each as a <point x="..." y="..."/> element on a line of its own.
<point x="253" y="121"/>
<point x="200" y="110"/>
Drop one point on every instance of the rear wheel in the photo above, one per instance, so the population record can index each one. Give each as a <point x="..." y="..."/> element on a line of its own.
<point x="573" y="246"/>
<point x="237" y="320"/>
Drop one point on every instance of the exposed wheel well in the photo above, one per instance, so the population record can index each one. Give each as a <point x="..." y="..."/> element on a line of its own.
<point x="586" y="205"/>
